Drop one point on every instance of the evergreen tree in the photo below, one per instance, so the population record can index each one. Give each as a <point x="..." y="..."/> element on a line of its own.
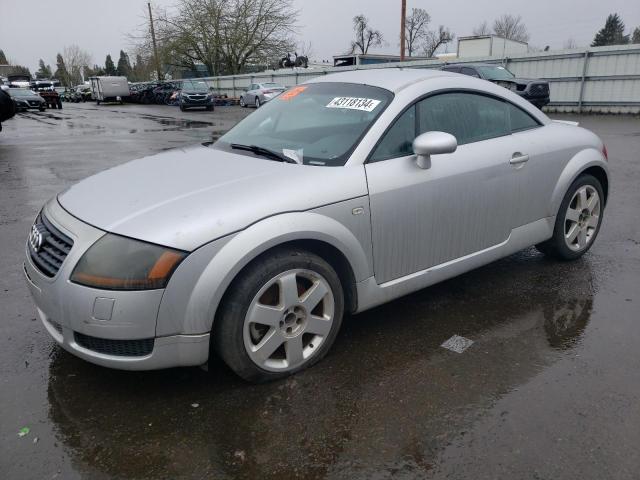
<point x="3" y="59"/>
<point x="61" y="71"/>
<point x="44" y="71"/>
<point x="19" y="70"/>
<point x="124" y="67"/>
<point x="635" y="38"/>
<point x="109" y="67"/>
<point x="612" y="33"/>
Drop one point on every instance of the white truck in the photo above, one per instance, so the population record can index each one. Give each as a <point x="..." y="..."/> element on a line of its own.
<point x="109" y="89"/>
<point x="489" y="46"/>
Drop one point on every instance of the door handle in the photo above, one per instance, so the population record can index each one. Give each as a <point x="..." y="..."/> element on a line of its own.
<point x="518" y="158"/>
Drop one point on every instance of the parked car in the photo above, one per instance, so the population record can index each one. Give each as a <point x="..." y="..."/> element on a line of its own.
<point x="195" y="93"/>
<point x="25" y="99"/>
<point x="339" y="195"/>
<point x="47" y="90"/>
<point x="163" y="91"/>
<point x="7" y="106"/>
<point x="260" y="93"/>
<point x="534" y="90"/>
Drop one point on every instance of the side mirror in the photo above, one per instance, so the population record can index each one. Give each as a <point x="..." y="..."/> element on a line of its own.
<point x="433" y="143"/>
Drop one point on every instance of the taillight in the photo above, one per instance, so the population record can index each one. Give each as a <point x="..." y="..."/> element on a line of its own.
<point x="268" y="91"/>
<point x="604" y="152"/>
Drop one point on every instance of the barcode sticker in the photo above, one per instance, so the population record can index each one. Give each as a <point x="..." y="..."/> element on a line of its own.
<point x="354" y="103"/>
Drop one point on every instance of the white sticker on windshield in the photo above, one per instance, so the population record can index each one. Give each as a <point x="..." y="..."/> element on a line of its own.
<point x="354" y="103"/>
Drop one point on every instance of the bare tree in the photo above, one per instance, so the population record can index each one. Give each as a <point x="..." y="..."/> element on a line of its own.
<point x="511" y="27"/>
<point x="366" y="37"/>
<point x="436" y="39"/>
<point x="256" y="31"/>
<point x="415" y="27"/>
<point x="482" y="29"/>
<point x="570" y="44"/>
<point x="226" y="36"/>
<point x="75" y="59"/>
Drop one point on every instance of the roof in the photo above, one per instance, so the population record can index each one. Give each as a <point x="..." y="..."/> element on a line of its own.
<point x="476" y="37"/>
<point x="394" y="79"/>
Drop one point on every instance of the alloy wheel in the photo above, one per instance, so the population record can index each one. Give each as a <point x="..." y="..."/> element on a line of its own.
<point x="582" y="218"/>
<point x="288" y="320"/>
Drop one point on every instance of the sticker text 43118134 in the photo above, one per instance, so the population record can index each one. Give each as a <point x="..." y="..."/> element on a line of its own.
<point x="354" y="103"/>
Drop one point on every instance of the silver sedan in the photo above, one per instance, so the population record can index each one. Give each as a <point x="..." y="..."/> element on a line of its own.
<point x="339" y="195"/>
<point x="258" y="94"/>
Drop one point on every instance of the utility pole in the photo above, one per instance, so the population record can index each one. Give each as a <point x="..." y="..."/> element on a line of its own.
<point x="403" y="17"/>
<point x="155" y="45"/>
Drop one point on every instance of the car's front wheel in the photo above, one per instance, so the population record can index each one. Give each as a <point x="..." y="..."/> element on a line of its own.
<point x="242" y="102"/>
<point x="578" y="220"/>
<point x="281" y="315"/>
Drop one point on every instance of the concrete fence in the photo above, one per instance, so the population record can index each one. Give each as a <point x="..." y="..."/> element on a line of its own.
<point x="598" y="79"/>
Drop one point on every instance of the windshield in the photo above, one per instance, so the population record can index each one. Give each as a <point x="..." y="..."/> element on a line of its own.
<point x="314" y="124"/>
<point x="495" y="73"/>
<point x="21" y="93"/>
<point x="192" y="86"/>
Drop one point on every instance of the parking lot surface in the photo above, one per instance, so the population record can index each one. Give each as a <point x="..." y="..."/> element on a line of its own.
<point x="549" y="389"/>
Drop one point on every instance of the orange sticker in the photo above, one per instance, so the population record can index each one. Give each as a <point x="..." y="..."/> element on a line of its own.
<point x="294" y="92"/>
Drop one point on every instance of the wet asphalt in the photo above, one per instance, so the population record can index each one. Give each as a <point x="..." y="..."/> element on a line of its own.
<point x="550" y="388"/>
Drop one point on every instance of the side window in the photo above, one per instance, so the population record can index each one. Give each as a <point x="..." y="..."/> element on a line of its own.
<point x="521" y="120"/>
<point x="398" y="141"/>
<point x="469" y="71"/>
<point x="469" y="117"/>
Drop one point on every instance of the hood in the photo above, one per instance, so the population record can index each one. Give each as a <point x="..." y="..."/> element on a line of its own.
<point x="29" y="97"/>
<point x="185" y="198"/>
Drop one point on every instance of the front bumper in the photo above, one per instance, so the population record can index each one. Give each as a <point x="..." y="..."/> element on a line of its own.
<point x="195" y="102"/>
<point x="100" y="326"/>
<point x="26" y="106"/>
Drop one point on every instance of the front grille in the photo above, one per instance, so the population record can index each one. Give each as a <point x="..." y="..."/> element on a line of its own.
<point x="48" y="246"/>
<point x="119" y="348"/>
<point x="539" y="89"/>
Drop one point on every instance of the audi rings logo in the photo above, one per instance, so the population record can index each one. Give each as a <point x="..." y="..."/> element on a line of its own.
<point x="36" y="238"/>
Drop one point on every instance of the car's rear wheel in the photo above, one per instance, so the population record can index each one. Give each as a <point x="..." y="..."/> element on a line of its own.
<point x="257" y="102"/>
<point x="578" y="220"/>
<point x="281" y="315"/>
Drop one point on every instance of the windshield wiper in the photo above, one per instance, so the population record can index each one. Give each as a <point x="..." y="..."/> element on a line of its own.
<point x="265" y="152"/>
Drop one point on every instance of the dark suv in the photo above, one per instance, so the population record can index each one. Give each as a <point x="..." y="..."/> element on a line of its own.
<point x="536" y="91"/>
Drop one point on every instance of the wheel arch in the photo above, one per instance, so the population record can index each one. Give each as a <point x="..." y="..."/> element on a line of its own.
<point x="590" y="161"/>
<point x="197" y="289"/>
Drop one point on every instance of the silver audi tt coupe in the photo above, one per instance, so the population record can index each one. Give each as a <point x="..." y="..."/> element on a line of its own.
<point x="339" y="195"/>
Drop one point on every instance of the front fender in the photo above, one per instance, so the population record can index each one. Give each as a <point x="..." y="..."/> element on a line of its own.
<point x="587" y="158"/>
<point x="197" y="286"/>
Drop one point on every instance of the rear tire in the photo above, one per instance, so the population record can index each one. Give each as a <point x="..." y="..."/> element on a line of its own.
<point x="257" y="102"/>
<point x="578" y="220"/>
<point x="298" y="296"/>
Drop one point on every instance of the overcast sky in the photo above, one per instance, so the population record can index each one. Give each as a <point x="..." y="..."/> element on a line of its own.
<point x="30" y="30"/>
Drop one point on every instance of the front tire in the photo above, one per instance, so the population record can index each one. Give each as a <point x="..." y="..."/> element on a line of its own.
<point x="242" y="102"/>
<point x="578" y="220"/>
<point x="281" y="315"/>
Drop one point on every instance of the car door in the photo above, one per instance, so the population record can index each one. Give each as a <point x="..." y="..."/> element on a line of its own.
<point x="422" y="218"/>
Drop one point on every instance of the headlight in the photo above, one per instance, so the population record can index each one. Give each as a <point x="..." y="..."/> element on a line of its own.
<point x="120" y="263"/>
